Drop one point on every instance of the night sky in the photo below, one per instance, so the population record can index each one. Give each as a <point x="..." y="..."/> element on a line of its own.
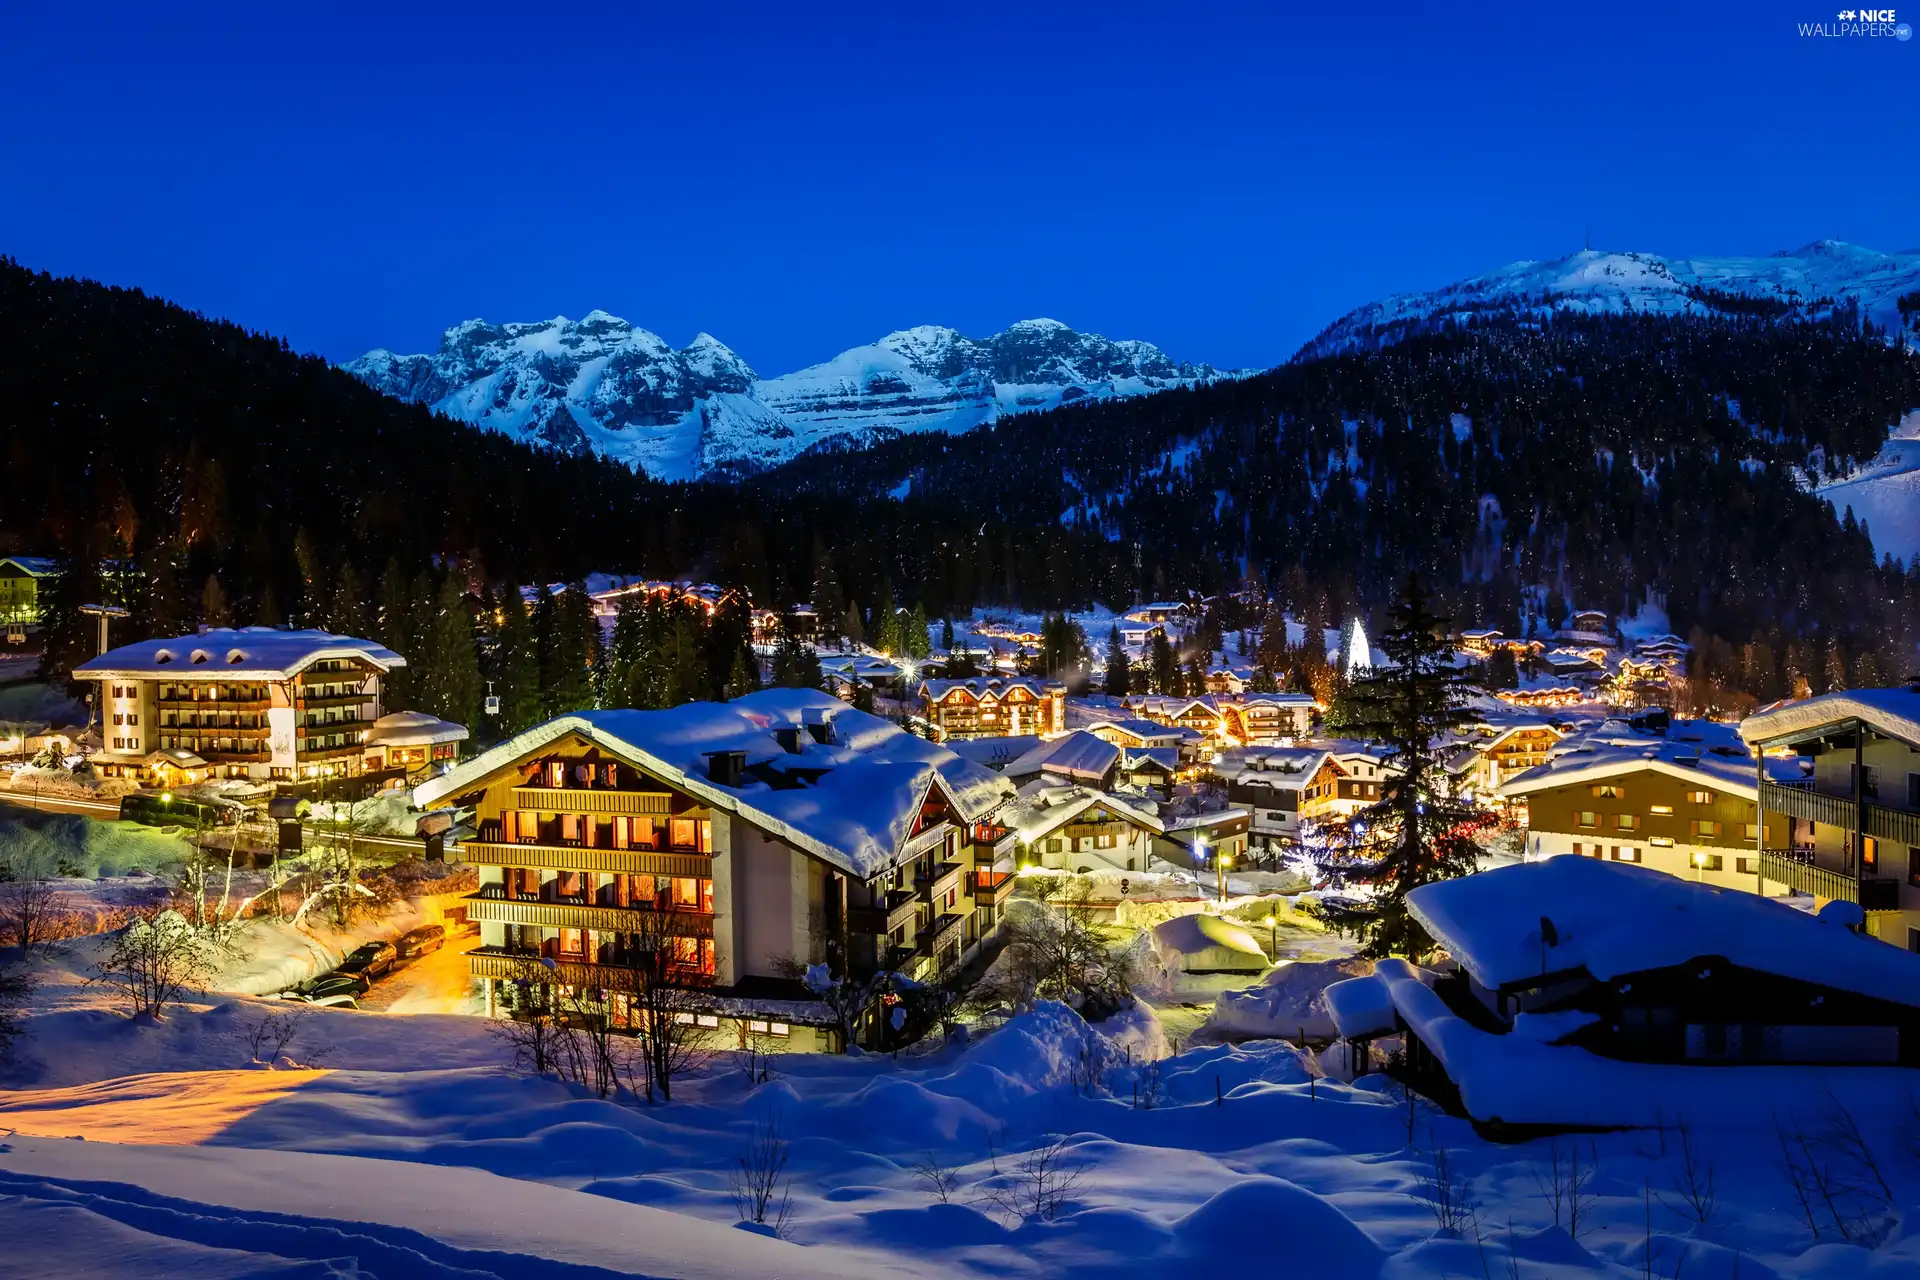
<point x="801" y="178"/>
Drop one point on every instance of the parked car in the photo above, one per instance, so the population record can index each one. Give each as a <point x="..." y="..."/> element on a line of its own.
<point x="371" y="959"/>
<point x="424" y="941"/>
<point x="332" y="990"/>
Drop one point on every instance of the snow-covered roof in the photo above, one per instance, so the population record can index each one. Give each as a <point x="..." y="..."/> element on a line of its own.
<point x="1145" y="730"/>
<point x="1278" y="700"/>
<point x="851" y="802"/>
<point x="1692" y="750"/>
<point x="1363" y="1006"/>
<point x="1893" y="713"/>
<point x="1077" y="755"/>
<point x="235" y="653"/>
<point x="414" y="729"/>
<point x="1613" y="918"/>
<point x="34" y="566"/>
<point x="994" y="753"/>
<point x="1167" y="758"/>
<point x="1043" y="808"/>
<point x="998" y="686"/>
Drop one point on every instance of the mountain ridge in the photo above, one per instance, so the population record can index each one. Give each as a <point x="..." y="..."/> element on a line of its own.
<point x="1809" y="281"/>
<point x="604" y="386"/>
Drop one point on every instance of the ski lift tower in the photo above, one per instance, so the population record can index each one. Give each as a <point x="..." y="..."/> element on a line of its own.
<point x="106" y="613"/>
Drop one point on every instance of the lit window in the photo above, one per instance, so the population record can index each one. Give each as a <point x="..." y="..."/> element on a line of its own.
<point x="779" y="1029"/>
<point x="1663" y="811"/>
<point x="1661" y="842"/>
<point x="708" y="1020"/>
<point x="1700" y="797"/>
<point x="1588" y="818"/>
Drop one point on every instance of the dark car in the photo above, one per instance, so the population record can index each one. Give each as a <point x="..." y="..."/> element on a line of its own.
<point x="333" y="990"/>
<point x="370" y="960"/>
<point x="424" y="941"/>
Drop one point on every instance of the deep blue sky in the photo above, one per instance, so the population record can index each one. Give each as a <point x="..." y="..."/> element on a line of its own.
<point x="803" y="177"/>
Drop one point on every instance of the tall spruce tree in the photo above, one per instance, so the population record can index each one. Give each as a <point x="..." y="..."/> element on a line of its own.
<point x="516" y="666"/>
<point x="349" y="611"/>
<point x="1119" y="667"/>
<point x="828" y="600"/>
<point x="1163" y="666"/>
<point x="1417" y="833"/>
<point x="915" y="641"/>
<point x="451" y="687"/>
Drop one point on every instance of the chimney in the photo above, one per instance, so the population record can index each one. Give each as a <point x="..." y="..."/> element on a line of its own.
<point x="724" y="768"/>
<point x="819" y="721"/>
<point x="788" y="736"/>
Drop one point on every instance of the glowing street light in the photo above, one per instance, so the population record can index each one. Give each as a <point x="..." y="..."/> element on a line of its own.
<point x="1273" y="938"/>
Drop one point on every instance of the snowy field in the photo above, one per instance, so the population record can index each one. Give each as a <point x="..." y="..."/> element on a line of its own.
<point x="405" y="1146"/>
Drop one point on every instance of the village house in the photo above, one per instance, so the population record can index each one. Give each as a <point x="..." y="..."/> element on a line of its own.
<point x="247" y="702"/>
<point x="1280" y="788"/>
<point x="1073" y="757"/>
<point x="781" y="829"/>
<point x="1682" y="802"/>
<point x="1260" y="718"/>
<point x="1848" y="829"/>
<point x="23" y="579"/>
<point x="994" y="706"/>
<point x="1070" y="827"/>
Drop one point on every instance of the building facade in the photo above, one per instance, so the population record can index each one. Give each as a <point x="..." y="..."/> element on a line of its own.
<point x="994" y="706"/>
<point x="779" y="831"/>
<point x="247" y="702"/>
<point x="22" y="580"/>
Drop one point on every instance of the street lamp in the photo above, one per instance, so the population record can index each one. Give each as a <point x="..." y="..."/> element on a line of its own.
<point x="1273" y="938"/>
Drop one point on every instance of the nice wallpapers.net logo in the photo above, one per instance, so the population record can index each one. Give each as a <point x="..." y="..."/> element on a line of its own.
<point x="1860" y="24"/>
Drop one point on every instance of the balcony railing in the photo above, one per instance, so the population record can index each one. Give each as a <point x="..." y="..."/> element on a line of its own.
<point x="1796" y="869"/>
<point x="498" y="908"/>
<point x="934" y="886"/>
<point x="1894" y="825"/>
<point x="596" y="800"/>
<point x="512" y="963"/>
<point x="990" y="888"/>
<point x="214" y="704"/>
<point x="639" y="862"/>
<point x="946" y="929"/>
<point x="932" y="838"/>
<point x="895" y="912"/>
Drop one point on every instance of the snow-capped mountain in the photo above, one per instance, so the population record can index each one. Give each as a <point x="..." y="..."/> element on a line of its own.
<point x="1886" y="492"/>
<point x="601" y="385"/>
<point x="1809" y="280"/>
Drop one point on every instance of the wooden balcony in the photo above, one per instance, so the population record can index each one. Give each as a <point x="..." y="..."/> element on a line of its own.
<point x="990" y="888"/>
<point x="932" y="838"/>
<point x="594" y="800"/>
<point x="934" y="887"/>
<point x="214" y="704"/>
<point x="1797" y="870"/>
<point x="483" y="906"/>
<point x="501" y="962"/>
<point x="635" y="862"/>
<point x="946" y="929"/>
<point x="897" y="912"/>
<point x="1895" y="826"/>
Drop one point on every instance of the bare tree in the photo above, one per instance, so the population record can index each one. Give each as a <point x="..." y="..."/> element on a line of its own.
<point x="1695" y="1194"/>
<point x="664" y="1012"/>
<point x="1568" y="1186"/>
<point x="941" y="1180"/>
<point x="1446" y="1191"/>
<point x="1062" y="952"/>
<point x="1041" y="1184"/>
<point x="540" y="1040"/>
<point x="28" y="903"/>
<point x="154" y="962"/>
<point x="759" y="1185"/>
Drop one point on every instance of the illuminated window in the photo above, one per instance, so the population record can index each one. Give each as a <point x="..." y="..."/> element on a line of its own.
<point x="1662" y="811"/>
<point x="1626" y="821"/>
<point x="1609" y="791"/>
<point x="1700" y="797"/>
<point x="1588" y="818"/>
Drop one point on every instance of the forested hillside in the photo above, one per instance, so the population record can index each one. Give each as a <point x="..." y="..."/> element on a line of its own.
<point x="1592" y="456"/>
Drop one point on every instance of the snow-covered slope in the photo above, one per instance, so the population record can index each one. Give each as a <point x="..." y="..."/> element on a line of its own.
<point x="1811" y="279"/>
<point x="1886" y="493"/>
<point x="602" y="385"/>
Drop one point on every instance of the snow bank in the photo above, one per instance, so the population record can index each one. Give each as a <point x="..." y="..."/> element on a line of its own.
<point x="1291" y="1001"/>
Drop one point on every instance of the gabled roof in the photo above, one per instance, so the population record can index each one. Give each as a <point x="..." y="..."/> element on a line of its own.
<point x="1892" y="713"/>
<point x="413" y="729"/>
<point x="1692" y="750"/>
<point x="980" y="687"/>
<point x="1142" y="729"/>
<point x="1077" y="755"/>
<point x="1612" y="919"/>
<point x="1042" y="809"/>
<point x="235" y="653"/>
<point x="994" y="752"/>
<point x="851" y="802"/>
<point x="34" y="566"/>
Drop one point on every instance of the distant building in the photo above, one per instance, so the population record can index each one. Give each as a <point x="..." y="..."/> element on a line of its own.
<point x="22" y="581"/>
<point x="994" y="706"/>
<point x="413" y="741"/>
<point x="247" y="702"/>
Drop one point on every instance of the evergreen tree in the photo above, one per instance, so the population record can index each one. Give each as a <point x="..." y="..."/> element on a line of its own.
<point x="1119" y="669"/>
<point x="394" y="628"/>
<point x="1064" y="654"/>
<point x="566" y="676"/>
<point x="855" y="634"/>
<point x="516" y="667"/>
<point x="451" y="688"/>
<point x="885" y="630"/>
<point x="214" y="610"/>
<point x="69" y="636"/>
<point x="946" y="635"/>
<point x="915" y="641"/>
<point x="1163" y="667"/>
<point x="1417" y="833"/>
<point x="828" y="600"/>
<point x="627" y="652"/>
<point x="1502" y="671"/>
<point x="795" y="664"/>
<point x="744" y="677"/>
<point x="349" y="612"/>
<point x="1834" y="668"/>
